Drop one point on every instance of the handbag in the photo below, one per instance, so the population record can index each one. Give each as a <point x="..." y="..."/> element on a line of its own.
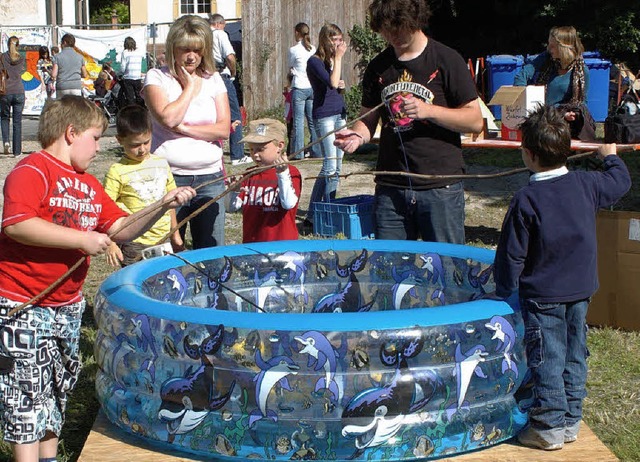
<point x="623" y="125"/>
<point x="583" y="128"/>
<point x="4" y="75"/>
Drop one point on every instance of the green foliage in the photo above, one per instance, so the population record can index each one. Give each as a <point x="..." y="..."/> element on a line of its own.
<point x="520" y="27"/>
<point x="265" y="51"/>
<point x="353" y="101"/>
<point x="274" y="112"/>
<point x="103" y="14"/>
<point x="366" y="43"/>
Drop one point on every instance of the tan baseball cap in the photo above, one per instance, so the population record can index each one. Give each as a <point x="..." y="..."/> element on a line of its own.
<point x="265" y="130"/>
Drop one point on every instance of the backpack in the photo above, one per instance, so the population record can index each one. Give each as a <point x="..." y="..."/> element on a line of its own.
<point x="623" y="125"/>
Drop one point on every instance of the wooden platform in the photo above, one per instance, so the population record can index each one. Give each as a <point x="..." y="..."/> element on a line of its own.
<point x="107" y="443"/>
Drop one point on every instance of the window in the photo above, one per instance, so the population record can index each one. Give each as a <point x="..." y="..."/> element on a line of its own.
<point x="195" y="6"/>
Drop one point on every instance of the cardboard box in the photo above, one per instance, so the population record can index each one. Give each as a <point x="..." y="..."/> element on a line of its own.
<point x="617" y="302"/>
<point x="516" y="103"/>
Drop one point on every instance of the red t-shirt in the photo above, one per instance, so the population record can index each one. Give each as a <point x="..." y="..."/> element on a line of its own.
<point x="263" y="217"/>
<point x="42" y="186"/>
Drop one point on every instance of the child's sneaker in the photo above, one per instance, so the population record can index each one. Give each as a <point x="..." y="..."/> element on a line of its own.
<point x="533" y="439"/>
<point x="7" y="148"/>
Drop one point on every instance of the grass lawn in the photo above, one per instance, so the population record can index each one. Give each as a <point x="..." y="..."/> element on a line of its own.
<point x="612" y="408"/>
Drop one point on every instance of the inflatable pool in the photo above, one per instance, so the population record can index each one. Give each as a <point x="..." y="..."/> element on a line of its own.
<point x="326" y="350"/>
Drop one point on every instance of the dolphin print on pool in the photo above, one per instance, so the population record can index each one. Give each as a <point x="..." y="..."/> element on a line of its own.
<point x="468" y="365"/>
<point x="272" y="372"/>
<point x="323" y="356"/>
<point x="218" y="300"/>
<point x="506" y="336"/>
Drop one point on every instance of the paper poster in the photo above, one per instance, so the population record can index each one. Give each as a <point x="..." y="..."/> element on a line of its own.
<point x="31" y="39"/>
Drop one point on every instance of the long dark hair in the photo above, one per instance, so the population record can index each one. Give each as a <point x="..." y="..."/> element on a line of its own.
<point x="303" y="29"/>
<point x="43" y="53"/>
<point x="325" y="49"/>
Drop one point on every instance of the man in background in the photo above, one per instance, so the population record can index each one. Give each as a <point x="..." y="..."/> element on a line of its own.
<point x="225" y="59"/>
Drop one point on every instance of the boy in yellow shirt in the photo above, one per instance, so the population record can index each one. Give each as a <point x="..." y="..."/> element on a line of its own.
<point x="137" y="180"/>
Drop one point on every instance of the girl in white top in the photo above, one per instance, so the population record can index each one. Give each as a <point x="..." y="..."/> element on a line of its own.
<point x="190" y="119"/>
<point x="301" y="92"/>
<point x="131" y="67"/>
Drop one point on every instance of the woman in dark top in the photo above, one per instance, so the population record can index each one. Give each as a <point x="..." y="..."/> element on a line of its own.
<point x="324" y="70"/>
<point x="13" y="99"/>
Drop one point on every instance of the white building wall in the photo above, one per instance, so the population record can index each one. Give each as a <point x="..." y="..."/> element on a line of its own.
<point x="227" y="8"/>
<point x="21" y="13"/>
<point x="68" y="13"/>
<point x="160" y="11"/>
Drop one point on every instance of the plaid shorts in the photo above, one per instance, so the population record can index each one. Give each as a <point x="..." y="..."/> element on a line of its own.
<point x="40" y="352"/>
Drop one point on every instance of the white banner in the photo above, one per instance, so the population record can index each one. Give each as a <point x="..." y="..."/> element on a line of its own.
<point x="105" y="46"/>
<point x="31" y="39"/>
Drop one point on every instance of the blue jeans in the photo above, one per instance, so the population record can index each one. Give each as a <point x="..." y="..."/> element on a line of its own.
<point x="8" y="104"/>
<point x="326" y="185"/>
<point x="302" y="104"/>
<point x="556" y="346"/>
<point x="207" y="228"/>
<point x="236" y="148"/>
<point x="436" y="215"/>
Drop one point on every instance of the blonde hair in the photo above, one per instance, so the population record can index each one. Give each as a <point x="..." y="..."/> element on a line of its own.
<point x="190" y="31"/>
<point x="58" y="114"/>
<point x="12" y="44"/>
<point x="569" y="44"/>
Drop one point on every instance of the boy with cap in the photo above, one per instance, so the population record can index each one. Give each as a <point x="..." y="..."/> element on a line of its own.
<point x="269" y="199"/>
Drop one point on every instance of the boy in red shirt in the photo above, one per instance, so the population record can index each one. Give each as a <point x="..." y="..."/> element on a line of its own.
<point x="269" y="200"/>
<point x="54" y="214"/>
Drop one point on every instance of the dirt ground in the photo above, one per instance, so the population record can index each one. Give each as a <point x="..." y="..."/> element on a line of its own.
<point x="486" y="200"/>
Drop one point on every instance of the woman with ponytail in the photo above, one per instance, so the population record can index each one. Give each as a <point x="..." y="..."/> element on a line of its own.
<point x="301" y="91"/>
<point x="13" y="98"/>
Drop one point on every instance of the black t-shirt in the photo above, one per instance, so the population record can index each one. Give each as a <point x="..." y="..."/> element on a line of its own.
<point x="429" y="148"/>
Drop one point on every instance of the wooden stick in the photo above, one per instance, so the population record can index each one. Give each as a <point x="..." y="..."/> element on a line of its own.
<point x="482" y="176"/>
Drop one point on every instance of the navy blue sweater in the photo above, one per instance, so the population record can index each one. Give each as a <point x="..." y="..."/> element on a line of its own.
<point x="547" y="246"/>
<point x="327" y="101"/>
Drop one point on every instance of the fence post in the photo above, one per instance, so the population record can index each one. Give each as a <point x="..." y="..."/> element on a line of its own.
<point x="155" y="33"/>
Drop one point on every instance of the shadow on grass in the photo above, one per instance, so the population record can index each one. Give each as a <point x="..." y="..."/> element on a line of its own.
<point x="482" y="236"/>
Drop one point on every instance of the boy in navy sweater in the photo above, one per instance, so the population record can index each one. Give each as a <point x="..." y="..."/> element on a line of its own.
<point x="547" y="252"/>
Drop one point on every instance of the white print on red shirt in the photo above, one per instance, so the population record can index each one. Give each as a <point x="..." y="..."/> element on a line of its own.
<point x="267" y="197"/>
<point x="71" y="204"/>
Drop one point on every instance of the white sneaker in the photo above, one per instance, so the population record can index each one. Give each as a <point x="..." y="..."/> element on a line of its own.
<point x="533" y="439"/>
<point x="242" y="160"/>
<point x="7" y="149"/>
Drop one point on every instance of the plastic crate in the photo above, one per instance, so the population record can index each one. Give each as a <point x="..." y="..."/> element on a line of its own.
<point x="351" y="216"/>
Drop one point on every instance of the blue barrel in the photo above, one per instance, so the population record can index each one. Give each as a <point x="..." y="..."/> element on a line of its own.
<point x="502" y="71"/>
<point x="598" y="94"/>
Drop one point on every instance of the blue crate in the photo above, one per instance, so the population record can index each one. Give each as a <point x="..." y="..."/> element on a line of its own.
<point x="351" y="216"/>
